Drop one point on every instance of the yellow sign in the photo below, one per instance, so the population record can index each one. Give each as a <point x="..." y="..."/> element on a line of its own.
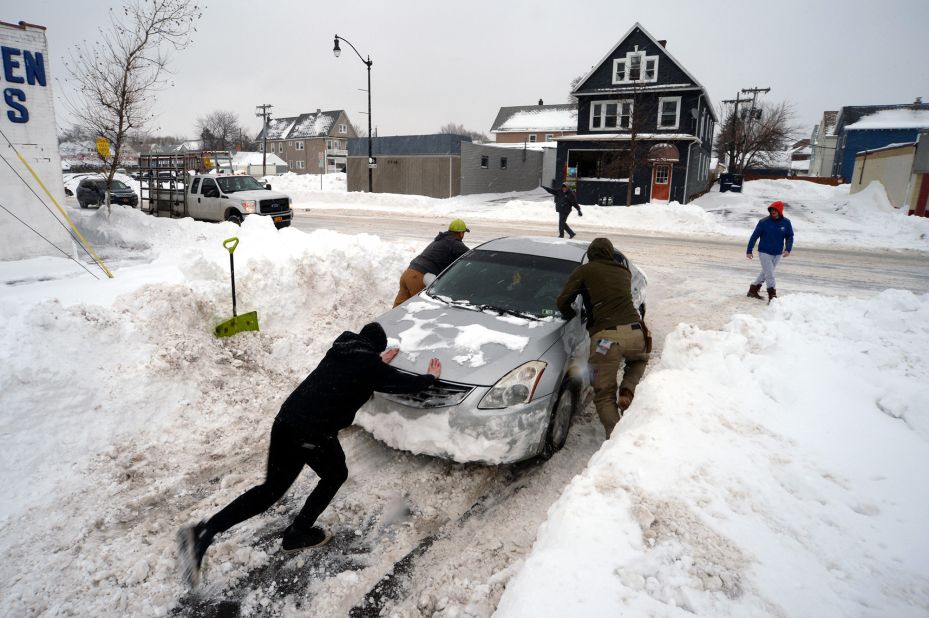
<point x="103" y="147"/>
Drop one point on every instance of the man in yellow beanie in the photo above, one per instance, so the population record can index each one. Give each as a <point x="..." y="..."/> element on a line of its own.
<point x="445" y="249"/>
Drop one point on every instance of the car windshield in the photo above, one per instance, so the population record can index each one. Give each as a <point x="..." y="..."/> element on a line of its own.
<point x="506" y="282"/>
<point x="231" y="184"/>
<point x="119" y="185"/>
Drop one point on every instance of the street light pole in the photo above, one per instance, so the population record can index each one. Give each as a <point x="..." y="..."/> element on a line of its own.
<point x="336" y="50"/>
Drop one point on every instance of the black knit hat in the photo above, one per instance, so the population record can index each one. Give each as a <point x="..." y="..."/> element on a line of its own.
<point x="374" y="333"/>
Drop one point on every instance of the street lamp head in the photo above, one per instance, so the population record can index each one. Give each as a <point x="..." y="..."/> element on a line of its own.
<point x="335" y="48"/>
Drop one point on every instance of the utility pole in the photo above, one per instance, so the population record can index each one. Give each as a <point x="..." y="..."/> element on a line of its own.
<point x="751" y="112"/>
<point x="264" y="111"/>
<point x="734" y="140"/>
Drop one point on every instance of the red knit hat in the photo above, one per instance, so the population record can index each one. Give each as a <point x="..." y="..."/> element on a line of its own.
<point x="778" y="206"/>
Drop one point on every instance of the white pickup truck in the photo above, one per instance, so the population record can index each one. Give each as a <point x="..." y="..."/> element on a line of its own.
<point x="231" y="198"/>
<point x="212" y="197"/>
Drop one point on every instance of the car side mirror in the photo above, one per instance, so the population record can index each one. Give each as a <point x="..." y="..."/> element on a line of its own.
<point x="268" y="187"/>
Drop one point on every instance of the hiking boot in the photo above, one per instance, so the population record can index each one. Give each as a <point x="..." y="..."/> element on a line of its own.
<point x="192" y="543"/>
<point x="753" y="291"/>
<point x="295" y="539"/>
<point x="772" y="294"/>
<point x="624" y="400"/>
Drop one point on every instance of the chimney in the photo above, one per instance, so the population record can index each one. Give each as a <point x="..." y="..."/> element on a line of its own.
<point x="663" y="42"/>
<point x="540" y="102"/>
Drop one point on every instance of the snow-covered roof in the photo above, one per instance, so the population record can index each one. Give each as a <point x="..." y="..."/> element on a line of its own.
<point x="900" y="118"/>
<point x="254" y="158"/>
<point x="536" y="118"/>
<point x="888" y="147"/>
<point x="316" y="124"/>
<point x="613" y="137"/>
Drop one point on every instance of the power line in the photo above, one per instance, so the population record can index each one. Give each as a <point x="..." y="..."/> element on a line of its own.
<point x="79" y="263"/>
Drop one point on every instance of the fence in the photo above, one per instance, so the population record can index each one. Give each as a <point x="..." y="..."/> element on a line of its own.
<point x="821" y="180"/>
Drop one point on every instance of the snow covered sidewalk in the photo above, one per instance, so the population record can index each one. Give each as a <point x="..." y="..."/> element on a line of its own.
<point x="774" y="468"/>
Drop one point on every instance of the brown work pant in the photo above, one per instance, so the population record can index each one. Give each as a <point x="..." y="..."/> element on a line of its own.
<point x="411" y="284"/>
<point x="624" y="342"/>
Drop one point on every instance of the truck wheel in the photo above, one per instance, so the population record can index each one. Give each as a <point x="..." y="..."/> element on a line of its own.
<point x="560" y="421"/>
<point x="234" y="217"/>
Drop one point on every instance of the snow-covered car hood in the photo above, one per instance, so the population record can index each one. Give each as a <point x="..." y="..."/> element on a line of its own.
<point x="475" y="347"/>
<point x="257" y="194"/>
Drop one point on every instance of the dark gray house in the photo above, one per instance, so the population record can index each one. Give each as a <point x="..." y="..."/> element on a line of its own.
<point x="441" y="165"/>
<point x="643" y="119"/>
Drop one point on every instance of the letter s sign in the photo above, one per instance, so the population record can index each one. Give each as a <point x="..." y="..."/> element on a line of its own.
<point x="17" y="112"/>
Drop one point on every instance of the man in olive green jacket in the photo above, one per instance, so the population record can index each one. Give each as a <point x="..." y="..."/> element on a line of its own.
<point x="616" y="330"/>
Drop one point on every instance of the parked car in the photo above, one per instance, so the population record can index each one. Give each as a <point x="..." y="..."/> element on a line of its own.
<point x="512" y="368"/>
<point x="93" y="191"/>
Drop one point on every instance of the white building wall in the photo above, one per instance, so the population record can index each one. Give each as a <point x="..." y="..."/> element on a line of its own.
<point x="891" y="168"/>
<point x="27" y="119"/>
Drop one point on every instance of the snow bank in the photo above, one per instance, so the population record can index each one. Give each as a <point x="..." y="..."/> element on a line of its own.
<point x="754" y="476"/>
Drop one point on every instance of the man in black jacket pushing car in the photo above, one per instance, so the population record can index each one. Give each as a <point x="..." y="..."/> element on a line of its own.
<point x="305" y="432"/>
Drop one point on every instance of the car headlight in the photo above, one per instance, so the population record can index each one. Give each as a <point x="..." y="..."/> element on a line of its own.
<point x="518" y="386"/>
<point x="249" y="206"/>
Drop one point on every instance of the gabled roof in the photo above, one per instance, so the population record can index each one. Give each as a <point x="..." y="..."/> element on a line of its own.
<point x="317" y="124"/>
<point x="523" y="118"/>
<point x="664" y="50"/>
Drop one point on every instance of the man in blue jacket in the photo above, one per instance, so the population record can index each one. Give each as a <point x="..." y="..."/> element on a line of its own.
<point x="776" y="238"/>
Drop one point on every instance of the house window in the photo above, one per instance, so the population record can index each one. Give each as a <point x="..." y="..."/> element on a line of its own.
<point x="503" y="163"/>
<point x="605" y="115"/>
<point x="661" y="174"/>
<point x="301" y="165"/>
<point x="343" y="128"/>
<point x="329" y="145"/>
<point x="298" y="144"/>
<point x="549" y="137"/>
<point x="532" y="138"/>
<point x="600" y="164"/>
<point x="485" y="161"/>
<point x="669" y="112"/>
<point x="261" y="147"/>
<point x="635" y="67"/>
<point x="280" y="148"/>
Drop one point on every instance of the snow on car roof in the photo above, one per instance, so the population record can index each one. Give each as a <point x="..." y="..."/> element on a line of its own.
<point x="559" y="248"/>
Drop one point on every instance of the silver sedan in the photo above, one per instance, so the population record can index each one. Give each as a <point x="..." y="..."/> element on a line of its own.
<point x="512" y="368"/>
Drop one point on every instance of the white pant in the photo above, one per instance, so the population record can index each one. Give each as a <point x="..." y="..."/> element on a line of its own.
<point x="768" y="264"/>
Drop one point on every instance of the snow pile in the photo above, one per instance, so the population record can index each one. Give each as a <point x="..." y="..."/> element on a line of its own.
<point x="821" y="214"/>
<point x="754" y="475"/>
<point x="118" y="406"/>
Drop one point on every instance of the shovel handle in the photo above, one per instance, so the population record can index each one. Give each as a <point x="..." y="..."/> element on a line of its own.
<point x="230" y="244"/>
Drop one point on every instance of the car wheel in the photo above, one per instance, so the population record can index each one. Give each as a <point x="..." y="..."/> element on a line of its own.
<point x="235" y="217"/>
<point x="560" y="420"/>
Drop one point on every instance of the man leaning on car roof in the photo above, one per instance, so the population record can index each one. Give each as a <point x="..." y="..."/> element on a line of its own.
<point x="617" y="331"/>
<point x="445" y="248"/>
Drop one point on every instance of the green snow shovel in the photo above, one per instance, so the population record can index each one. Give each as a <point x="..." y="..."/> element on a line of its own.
<point x="238" y="323"/>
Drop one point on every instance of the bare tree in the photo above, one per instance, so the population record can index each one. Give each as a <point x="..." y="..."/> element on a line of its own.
<point x="117" y="76"/>
<point x="755" y="136"/>
<point x="574" y="84"/>
<point x="459" y="129"/>
<point x="219" y="130"/>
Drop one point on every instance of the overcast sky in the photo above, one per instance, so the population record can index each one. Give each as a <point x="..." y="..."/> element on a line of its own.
<point x="438" y="62"/>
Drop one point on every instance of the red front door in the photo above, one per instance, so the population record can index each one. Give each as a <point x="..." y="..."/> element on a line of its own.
<point x="661" y="182"/>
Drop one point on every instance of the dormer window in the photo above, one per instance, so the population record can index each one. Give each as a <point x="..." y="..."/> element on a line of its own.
<point x="635" y="67"/>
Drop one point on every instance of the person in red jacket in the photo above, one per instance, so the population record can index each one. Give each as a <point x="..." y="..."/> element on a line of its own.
<point x="776" y="239"/>
<point x="305" y="433"/>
